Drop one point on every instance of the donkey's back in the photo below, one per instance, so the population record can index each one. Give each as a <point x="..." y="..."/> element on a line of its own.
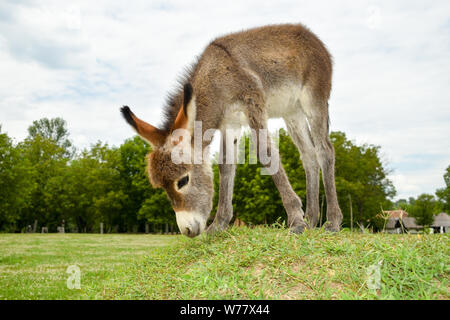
<point x="276" y="55"/>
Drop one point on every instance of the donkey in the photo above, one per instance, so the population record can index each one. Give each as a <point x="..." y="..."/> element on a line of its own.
<point x="245" y="78"/>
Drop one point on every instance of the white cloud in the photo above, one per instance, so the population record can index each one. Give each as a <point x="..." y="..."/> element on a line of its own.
<point x="83" y="61"/>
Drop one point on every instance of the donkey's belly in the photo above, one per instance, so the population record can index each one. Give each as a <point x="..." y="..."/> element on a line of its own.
<point x="280" y="103"/>
<point x="283" y="101"/>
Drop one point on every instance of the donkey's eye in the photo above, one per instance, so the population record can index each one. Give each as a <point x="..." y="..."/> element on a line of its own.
<point x="182" y="182"/>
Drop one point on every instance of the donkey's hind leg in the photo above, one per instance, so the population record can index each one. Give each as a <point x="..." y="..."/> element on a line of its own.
<point x="317" y="114"/>
<point x="299" y="131"/>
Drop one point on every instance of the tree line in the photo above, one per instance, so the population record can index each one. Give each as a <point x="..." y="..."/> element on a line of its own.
<point x="47" y="182"/>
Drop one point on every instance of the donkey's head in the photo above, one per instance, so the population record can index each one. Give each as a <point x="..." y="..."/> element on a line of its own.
<point x="189" y="186"/>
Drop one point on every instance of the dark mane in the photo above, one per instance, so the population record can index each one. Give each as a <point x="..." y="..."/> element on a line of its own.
<point x="174" y="99"/>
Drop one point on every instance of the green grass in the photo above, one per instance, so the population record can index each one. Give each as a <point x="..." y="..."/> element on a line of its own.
<point x="241" y="263"/>
<point x="33" y="266"/>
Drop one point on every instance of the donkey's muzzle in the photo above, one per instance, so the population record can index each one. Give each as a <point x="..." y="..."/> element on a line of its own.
<point x="190" y="223"/>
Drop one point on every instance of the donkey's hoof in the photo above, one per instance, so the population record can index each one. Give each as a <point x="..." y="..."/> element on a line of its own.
<point x="298" y="229"/>
<point x="213" y="229"/>
<point x="329" y="227"/>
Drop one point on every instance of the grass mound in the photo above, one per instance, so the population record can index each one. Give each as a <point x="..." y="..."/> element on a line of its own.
<point x="271" y="263"/>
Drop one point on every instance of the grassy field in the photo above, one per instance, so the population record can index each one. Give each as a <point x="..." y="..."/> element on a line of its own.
<point x="242" y="263"/>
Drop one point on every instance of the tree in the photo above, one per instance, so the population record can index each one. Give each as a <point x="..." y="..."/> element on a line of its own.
<point x="361" y="174"/>
<point x="157" y="210"/>
<point x="16" y="184"/>
<point x="108" y="207"/>
<point x="47" y="160"/>
<point x="134" y="180"/>
<point x="52" y="129"/>
<point x="423" y="209"/>
<point x="444" y="193"/>
<point x="94" y="189"/>
<point x="405" y="205"/>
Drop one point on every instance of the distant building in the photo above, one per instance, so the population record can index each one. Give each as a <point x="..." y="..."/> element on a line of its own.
<point x="394" y="223"/>
<point x="400" y="222"/>
<point x="410" y="225"/>
<point x="441" y="223"/>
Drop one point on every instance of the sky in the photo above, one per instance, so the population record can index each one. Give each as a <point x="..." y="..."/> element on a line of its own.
<point x="82" y="60"/>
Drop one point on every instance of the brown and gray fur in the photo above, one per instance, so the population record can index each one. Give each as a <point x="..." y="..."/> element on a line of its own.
<point x="268" y="72"/>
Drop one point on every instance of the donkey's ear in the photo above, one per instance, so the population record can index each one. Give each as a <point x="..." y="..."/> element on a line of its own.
<point x="148" y="132"/>
<point x="187" y="96"/>
<point x="186" y="115"/>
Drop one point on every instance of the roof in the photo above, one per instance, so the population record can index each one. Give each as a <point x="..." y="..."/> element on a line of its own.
<point x="441" y="220"/>
<point x="410" y="223"/>
<point x="397" y="213"/>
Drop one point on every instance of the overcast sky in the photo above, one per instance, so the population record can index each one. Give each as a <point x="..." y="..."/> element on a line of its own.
<point x="82" y="60"/>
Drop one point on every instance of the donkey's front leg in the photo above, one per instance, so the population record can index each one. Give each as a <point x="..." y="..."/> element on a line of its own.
<point x="227" y="170"/>
<point x="224" y="212"/>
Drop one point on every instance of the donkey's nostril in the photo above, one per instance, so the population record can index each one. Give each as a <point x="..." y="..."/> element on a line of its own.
<point x="190" y="231"/>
